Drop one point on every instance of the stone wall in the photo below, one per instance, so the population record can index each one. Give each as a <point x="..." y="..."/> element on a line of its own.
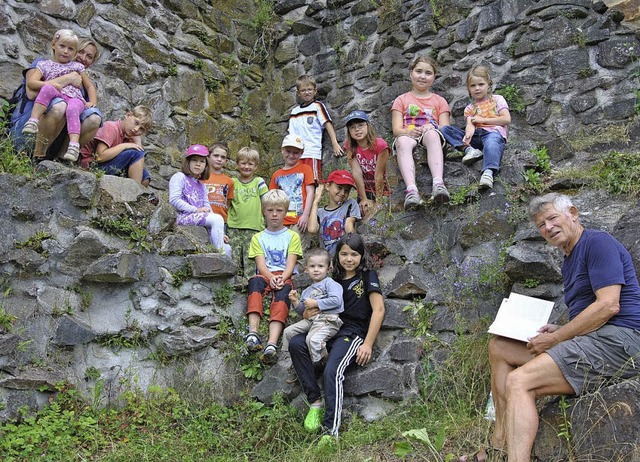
<point x="90" y="306"/>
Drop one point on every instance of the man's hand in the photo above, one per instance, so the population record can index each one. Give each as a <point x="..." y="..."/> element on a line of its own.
<point x="541" y="343"/>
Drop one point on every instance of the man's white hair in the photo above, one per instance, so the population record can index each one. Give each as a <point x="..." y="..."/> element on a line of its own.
<point x="561" y="202"/>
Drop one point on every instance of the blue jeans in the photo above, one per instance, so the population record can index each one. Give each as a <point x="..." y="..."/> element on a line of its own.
<point x="490" y="143"/>
<point x="120" y="164"/>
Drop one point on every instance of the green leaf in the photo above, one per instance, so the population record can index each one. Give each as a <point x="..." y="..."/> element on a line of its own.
<point x="402" y="448"/>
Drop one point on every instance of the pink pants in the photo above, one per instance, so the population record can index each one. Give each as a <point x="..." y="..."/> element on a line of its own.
<point x="74" y="106"/>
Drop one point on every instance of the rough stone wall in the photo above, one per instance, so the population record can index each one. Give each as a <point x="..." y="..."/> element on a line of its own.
<point x="204" y="72"/>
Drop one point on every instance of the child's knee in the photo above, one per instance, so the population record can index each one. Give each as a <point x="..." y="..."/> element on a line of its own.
<point x="279" y="311"/>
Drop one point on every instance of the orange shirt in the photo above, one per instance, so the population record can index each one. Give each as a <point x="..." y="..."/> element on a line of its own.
<point x="219" y="191"/>
<point x="294" y="182"/>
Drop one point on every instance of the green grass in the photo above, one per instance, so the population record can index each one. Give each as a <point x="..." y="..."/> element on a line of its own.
<point x="12" y="161"/>
<point x="619" y="173"/>
<point x="445" y="419"/>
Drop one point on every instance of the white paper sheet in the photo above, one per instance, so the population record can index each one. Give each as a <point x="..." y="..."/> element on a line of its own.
<point x="520" y="317"/>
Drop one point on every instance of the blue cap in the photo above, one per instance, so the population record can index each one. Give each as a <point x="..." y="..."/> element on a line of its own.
<point x="357" y="115"/>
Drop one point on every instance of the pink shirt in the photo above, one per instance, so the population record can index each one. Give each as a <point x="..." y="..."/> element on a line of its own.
<point x="417" y="112"/>
<point x="110" y="134"/>
<point x="51" y="70"/>
<point x="368" y="160"/>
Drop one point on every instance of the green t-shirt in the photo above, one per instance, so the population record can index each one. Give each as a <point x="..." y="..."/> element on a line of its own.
<point x="246" y="209"/>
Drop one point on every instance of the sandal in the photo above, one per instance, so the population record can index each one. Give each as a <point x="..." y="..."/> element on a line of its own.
<point x="485" y="455"/>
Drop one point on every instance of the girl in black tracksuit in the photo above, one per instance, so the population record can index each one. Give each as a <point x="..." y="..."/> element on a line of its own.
<point x="362" y="318"/>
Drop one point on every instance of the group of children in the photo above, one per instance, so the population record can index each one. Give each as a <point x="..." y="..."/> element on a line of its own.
<point x="268" y="226"/>
<point x="264" y="229"/>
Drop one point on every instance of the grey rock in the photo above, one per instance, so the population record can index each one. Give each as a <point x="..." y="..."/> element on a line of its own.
<point x="72" y="331"/>
<point x="395" y="316"/>
<point x="211" y="265"/>
<point x="122" y="267"/>
<point x="490" y="226"/>
<point x="405" y="350"/>
<point x="529" y="261"/>
<point x="618" y="52"/>
<point x="162" y="219"/>
<point x="611" y="410"/>
<point x="184" y="340"/>
<point x="61" y="9"/>
<point x="34" y="379"/>
<point x="378" y="378"/>
<point x="411" y="281"/>
<point x="275" y="381"/>
<point x="121" y="189"/>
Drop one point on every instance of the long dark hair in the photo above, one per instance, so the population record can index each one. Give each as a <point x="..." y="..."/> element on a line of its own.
<point x="355" y="242"/>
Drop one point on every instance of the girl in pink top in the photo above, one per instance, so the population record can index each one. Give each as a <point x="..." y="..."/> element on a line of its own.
<point x="416" y="117"/>
<point x="368" y="155"/>
<point x="64" y="47"/>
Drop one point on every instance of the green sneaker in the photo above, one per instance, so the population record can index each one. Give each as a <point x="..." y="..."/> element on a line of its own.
<point x="313" y="421"/>
<point x="328" y="441"/>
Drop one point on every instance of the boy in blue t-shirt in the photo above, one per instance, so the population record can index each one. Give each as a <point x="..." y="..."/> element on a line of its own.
<point x="340" y="215"/>
<point x="276" y="251"/>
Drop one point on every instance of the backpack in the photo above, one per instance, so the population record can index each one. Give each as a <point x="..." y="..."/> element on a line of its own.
<point x="17" y="101"/>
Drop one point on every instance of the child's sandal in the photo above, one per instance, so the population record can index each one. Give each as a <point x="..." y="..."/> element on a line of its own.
<point x="253" y="342"/>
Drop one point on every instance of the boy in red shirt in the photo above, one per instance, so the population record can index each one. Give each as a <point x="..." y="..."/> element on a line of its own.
<point x="117" y="147"/>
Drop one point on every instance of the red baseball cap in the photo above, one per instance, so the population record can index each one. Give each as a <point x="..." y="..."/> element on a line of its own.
<point x="341" y="177"/>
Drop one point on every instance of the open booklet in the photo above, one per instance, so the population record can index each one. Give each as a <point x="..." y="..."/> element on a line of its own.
<point x="520" y="317"/>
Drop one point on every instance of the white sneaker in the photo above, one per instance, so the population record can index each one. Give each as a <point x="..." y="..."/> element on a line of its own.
<point x="440" y="193"/>
<point x="412" y="200"/>
<point x="486" y="180"/>
<point x="471" y="155"/>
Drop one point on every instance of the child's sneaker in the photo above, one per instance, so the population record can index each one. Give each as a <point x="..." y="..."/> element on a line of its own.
<point x="253" y="342"/>
<point x="72" y="153"/>
<point x="313" y="420"/>
<point x="328" y="441"/>
<point x="30" y="128"/>
<point x="486" y="180"/>
<point x="269" y="355"/>
<point x="471" y="155"/>
<point x="412" y="200"/>
<point x="440" y="193"/>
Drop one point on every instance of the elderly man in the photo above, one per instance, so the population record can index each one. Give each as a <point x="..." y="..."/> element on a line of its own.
<point x="601" y="341"/>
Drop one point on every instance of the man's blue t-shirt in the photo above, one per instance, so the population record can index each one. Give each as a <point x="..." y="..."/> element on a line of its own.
<point x="598" y="260"/>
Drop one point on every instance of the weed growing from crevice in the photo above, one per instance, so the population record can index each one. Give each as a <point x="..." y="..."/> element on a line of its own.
<point x="34" y="242"/>
<point x="512" y="93"/>
<point x="11" y="160"/>
<point x="180" y="275"/>
<point x="124" y="228"/>
<point x="6" y="320"/>
<point x="619" y="173"/>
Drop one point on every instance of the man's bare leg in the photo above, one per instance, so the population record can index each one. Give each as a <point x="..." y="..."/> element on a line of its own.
<point x="539" y="377"/>
<point x="505" y="355"/>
